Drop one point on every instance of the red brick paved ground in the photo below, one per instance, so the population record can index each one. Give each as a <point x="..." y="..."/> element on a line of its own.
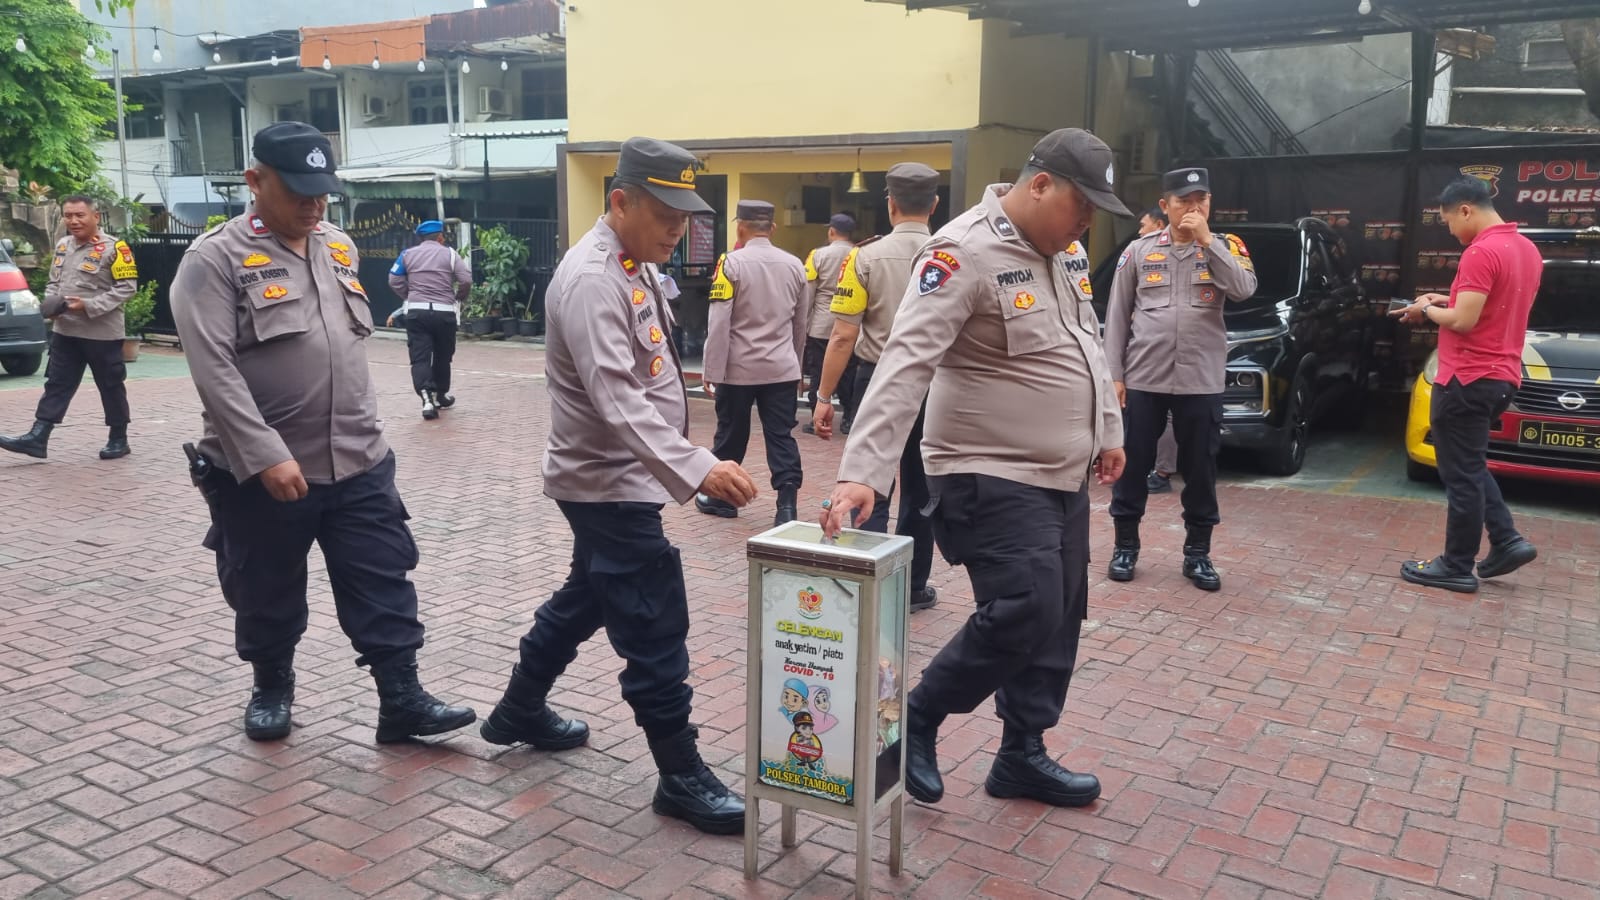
<point x="1317" y="729"/>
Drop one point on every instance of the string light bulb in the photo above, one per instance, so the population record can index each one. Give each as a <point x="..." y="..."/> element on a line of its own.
<point x="216" y="56"/>
<point x="274" y="59"/>
<point x="88" y="52"/>
<point x="1193" y="3"/>
<point x="22" y="45"/>
<point x="1365" y="8"/>
<point x="327" y="63"/>
<point x="155" y="55"/>
<point x="503" y="65"/>
<point x="422" y="57"/>
<point x="466" y="67"/>
<point x="375" y="64"/>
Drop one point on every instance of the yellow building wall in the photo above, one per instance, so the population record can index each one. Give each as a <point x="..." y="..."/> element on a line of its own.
<point x="733" y="69"/>
<point x="1036" y="83"/>
<point x="775" y="177"/>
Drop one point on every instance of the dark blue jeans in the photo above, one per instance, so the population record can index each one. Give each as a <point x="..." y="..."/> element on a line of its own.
<point x="1461" y="415"/>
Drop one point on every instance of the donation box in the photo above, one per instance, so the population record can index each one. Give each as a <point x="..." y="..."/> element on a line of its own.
<point x="827" y="684"/>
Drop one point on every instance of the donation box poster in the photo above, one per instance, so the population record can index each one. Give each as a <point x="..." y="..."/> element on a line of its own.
<point x="809" y="635"/>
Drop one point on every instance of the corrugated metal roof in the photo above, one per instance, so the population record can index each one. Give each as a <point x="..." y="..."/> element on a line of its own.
<point x="472" y="26"/>
<point x="1169" y="26"/>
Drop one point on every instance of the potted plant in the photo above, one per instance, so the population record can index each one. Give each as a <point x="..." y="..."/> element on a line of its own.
<point x="137" y="313"/>
<point x="504" y="255"/>
<point x="476" y="312"/>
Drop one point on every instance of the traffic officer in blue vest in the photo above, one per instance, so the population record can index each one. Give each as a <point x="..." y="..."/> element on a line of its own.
<point x="431" y="278"/>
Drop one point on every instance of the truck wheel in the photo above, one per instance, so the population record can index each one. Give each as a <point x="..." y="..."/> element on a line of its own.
<point x="1290" y="453"/>
<point x="26" y="364"/>
<point x="1418" y="472"/>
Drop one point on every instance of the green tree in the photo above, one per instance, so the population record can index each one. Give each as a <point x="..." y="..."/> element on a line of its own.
<point x="51" y="104"/>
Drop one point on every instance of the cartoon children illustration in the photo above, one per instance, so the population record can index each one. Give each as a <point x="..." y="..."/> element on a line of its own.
<point x="805" y="749"/>
<point x="795" y="697"/>
<point x="821" y="703"/>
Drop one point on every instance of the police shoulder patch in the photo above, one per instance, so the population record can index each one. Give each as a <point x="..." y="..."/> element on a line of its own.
<point x="1123" y="259"/>
<point x="933" y="276"/>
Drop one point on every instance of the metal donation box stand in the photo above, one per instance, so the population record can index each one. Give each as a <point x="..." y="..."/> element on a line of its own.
<point x="827" y="684"/>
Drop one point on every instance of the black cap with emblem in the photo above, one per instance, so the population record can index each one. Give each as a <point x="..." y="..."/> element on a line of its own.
<point x="301" y="155"/>
<point x="753" y="211"/>
<point x="1084" y="160"/>
<point x="665" y="170"/>
<point x="1179" y="182"/>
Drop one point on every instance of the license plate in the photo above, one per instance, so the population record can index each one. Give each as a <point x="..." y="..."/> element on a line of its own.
<point x="1560" y="436"/>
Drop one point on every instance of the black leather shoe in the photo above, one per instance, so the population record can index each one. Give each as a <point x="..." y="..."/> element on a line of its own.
<point x="702" y="800"/>
<point x="1028" y="771"/>
<point x="117" y="445"/>
<point x="712" y="506"/>
<point x="1125" y="553"/>
<point x="787" y="507"/>
<point x="444" y="401"/>
<point x="688" y="789"/>
<point x="1157" y="483"/>
<point x="1432" y="573"/>
<point x="1198" y="569"/>
<point x="266" y="717"/>
<point x="923" y="780"/>
<point x="926" y="598"/>
<point x="1507" y="558"/>
<point x="35" y="443"/>
<point x="538" y="727"/>
<point x="405" y="710"/>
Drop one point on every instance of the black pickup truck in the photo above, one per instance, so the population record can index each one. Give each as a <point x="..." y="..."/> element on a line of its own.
<point x="1297" y="349"/>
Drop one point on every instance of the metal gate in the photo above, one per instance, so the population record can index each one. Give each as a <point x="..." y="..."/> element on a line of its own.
<point x="380" y="239"/>
<point x="157" y="256"/>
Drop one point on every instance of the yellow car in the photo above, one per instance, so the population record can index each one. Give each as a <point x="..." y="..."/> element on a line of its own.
<point x="1551" y="431"/>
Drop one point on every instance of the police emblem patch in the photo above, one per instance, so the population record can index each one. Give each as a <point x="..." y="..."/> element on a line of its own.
<point x="1004" y="228"/>
<point x="316" y="159"/>
<point x="1154" y="278"/>
<point x="341" y="257"/>
<point x="254" y="260"/>
<point x="655" y="335"/>
<point x="656" y="365"/>
<point x="356" y="286"/>
<point x="1123" y="260"/>
<point x="1086" y="287"/>
<point x="638" y="297"/>
<point x="275" y="292"/>
<point x="932" y="277"/>
<point x="1208" y="295"/>
<point x="1154" y="257"/>
<point x="1024" y="300"/>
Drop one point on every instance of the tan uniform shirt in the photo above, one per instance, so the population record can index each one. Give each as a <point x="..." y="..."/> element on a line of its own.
<point x="102" y="272"/>
<point x="1020" y="388"/>
<point x="619" y="414"/>
<point x="822" y="272"/>
<point x="276" y="346"/>
<point x="872" y="282"/>
<point x="430" y="272"/>
<point x="756" y="326"/>
<point x="1164" y="326"/>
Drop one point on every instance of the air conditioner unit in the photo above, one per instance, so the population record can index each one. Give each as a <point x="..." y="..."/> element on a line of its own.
<point x="1145" y="152"/>
<point x="493" y="101"/>
<point x="374" y="107"/>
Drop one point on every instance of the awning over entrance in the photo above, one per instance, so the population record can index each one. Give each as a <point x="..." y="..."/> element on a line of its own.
<point x="1173" y="25"/>
<point x="416" y="182"/>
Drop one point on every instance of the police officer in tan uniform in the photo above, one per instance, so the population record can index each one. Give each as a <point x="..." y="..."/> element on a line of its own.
<point x="91" y="276"/>
<point x="996" y="329"/>
<point x="1168" y="349"/>
<point x="822" y="273"/>
<point x="755" y="337"/>
<point x="618" y="451"/>
<point x="274" y="321"/>
<point x="872" y="282"/>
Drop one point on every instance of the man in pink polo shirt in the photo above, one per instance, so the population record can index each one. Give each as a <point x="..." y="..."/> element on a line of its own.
<point x="1481" y="329"/>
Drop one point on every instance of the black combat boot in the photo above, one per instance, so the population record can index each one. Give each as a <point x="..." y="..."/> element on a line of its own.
<point x="405" y="709"/>
<point x="1125" y="554"/>
<point x="1197" y="558"/>
<point x="430" y="408"/>
<point x="266" y="718"/>
<point x="787" y="504"/>
<point x="1022" y="768"/>
<point x="522" y="716"/>
<point x="713" y="506"/>
<point x="444" y="399"/>
<point x="922" y="761"/>
<point x="689" y="790"/>
<point x="117" y="446"/>
<point x="33" y="444"/>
